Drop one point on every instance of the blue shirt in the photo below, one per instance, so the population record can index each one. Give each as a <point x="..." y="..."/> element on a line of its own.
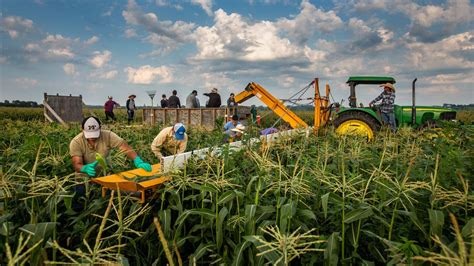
<point x="227" y="128"/>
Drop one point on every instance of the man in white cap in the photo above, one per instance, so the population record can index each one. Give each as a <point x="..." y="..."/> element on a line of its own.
<point x="214" y="99"/>
<point x="92" y="140"/>
<point x="386" y="106"/>
<point x="170" y="141"/>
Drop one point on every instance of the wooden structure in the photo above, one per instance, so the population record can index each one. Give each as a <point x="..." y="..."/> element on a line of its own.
<point x="125" y="181"/>
<point x="197" y="117"/>
<point x="62" y="109"/>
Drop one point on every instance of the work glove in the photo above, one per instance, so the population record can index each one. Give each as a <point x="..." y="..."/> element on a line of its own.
<point x="89" y="168"/>
<point x="139" y="163"/>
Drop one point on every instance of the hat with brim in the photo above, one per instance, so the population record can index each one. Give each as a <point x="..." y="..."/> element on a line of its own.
<point x="91" y="128"/>
<point x="239" y="128"/>
<point x="133" y="95"/>
<point x="179" y="131"/>
<point x="388" y="85"/>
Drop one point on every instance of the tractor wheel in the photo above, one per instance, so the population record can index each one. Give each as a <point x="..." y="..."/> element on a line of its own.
<point x="430" y="124"/>
<point x="356" y="123"/>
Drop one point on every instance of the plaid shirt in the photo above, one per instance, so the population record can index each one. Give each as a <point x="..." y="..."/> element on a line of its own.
<point x="388" y="99"/>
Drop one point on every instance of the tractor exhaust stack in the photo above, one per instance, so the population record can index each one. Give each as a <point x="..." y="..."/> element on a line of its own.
<point x="413" y="107"/>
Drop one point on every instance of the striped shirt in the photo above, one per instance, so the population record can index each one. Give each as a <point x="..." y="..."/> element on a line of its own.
<point x="388" y="99"/>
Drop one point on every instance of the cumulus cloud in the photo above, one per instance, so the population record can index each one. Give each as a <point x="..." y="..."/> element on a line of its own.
<point x="147" y="74"/>
<point x="129" y="33"/>
<point x="69" y="69"/>
<point x="105" y="74"/>
<point x="368" y="39"/>
<point x="25" y="82"/>
<point x="206" y="5"/>
<point x="101" y="59"/>
<point x="455" y="51"/>
<point x="430" y="22"/>
<point x="58" y="40"/>
<point x="61" y="52"/>
<point x="162" y="33"/>
<point x="134" y="15"/>
<point x="233" y="38"/>
<point x="15" y="26"/>
<point x="452" y="78"/>
<point x="309" y="20"/>
<point x="165" y="3"/>
<point x="92" y="40"/>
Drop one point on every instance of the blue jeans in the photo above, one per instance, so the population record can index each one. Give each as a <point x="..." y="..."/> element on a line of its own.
<point x="389" y="118"/>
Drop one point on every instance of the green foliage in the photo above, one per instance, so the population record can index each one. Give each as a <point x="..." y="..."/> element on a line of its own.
<point x="322" y="200"/>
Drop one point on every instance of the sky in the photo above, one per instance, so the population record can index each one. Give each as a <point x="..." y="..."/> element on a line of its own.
<point x="117" y="48"/>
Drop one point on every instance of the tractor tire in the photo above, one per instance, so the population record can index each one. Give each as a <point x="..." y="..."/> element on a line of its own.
<point x="430" y="124"/>
<point x="356" y="123"/>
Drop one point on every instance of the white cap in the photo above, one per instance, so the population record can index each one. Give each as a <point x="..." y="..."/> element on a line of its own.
<point x="239" y="128"/>
<point x="91" y="128"/>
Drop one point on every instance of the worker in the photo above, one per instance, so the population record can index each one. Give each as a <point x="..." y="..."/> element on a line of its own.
<point x="191" y="100"/>
<point x="386" y="106"/>
<point x="92" y="140"/>
<point x="231" y="124"/>
<point x="214" y="99"/>
<point x="237" y="133"/>
<point x="164" y="101"/>
<point x="173" y="101"/>
<point x="253" y="111"/>
<point x="131" y="107"/>
<point x="109" y="108"/>
<point x="170" y="141"/>
<point x="231" y="104"/>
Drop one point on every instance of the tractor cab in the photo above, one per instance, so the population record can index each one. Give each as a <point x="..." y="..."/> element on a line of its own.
<point x="370" y="80"/>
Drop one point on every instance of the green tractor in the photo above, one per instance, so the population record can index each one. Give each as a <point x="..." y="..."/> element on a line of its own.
<point x="366" y="120"/>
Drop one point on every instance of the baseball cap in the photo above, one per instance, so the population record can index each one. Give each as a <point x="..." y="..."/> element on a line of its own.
<point x="179" y="131"/>
<point x="91" y="128"/>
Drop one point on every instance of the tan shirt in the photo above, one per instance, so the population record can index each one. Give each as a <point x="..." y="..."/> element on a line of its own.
<point x="165" y="141"/>
<point x="80" y="147"/>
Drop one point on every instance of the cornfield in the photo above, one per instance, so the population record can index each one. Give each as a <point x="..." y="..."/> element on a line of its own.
<point x="404" y="198"/>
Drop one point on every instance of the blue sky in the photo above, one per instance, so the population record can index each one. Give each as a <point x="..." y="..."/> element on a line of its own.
<point x="118" y="48"/>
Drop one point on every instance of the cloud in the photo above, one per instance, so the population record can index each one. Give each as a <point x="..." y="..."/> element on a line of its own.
<point x="25" y="82"/>
<point x="165" y="3"/>
<point x="58" y="40"/>
<point x="441" y="90"/>
<point x="101" y="59"/>
<point x="162" y="33"/>
<point x="105" y="75"/>
<point x="429" y="23"/>
<point x="205" y="4"/>
<point x="92" y="40"/>
<point x="61" y="52"/>
<point x="129" y="33"/>
<point x="453" y="52"/>
<point x="233" y="38"/>
<point x="147" y="74"/>
<point x="309" y="21"/>
<point x="70" y="69"/>
<point x="135" y="16"/>
<point x="368" y="39"/>
<point x="452" y="78"/>
<point x="15" y="26"/>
